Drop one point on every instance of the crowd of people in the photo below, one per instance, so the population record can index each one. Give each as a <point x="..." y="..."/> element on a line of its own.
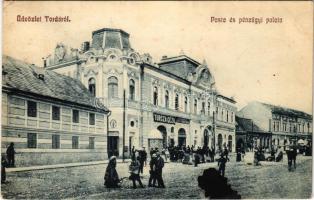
<point x="138" y="160"/>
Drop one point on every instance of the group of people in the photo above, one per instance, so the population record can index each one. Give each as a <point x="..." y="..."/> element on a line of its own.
<point x="177" y="153"/>
<point x="139" y="158"/>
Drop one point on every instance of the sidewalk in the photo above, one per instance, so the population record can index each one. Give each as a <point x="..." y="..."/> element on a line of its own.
<point x="42" y="167"/>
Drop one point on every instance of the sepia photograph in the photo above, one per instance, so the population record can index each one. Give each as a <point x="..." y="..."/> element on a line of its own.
<point x="156" y="100"/>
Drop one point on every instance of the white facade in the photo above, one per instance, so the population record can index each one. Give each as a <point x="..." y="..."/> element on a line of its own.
<point x="152" y="94"/>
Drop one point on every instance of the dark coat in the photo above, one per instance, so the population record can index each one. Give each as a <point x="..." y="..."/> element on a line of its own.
<point x="111" y="176"/>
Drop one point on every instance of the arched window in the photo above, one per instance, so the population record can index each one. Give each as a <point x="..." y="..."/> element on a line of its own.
<point x="176" y="102"/>
<point x="131" y="89"/>
<point x="185" y="104"/>
<point x="112" y="87"/>
<point x="195" y="106"/>
<point x="92" y="86"/>
<point x="167" y="99"/>
<point x="155" y="96"/>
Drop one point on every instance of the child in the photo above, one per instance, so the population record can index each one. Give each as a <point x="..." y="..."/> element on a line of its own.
<point x="134" y="170"/>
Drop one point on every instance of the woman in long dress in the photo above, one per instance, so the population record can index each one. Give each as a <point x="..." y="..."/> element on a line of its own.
<point x="111" y="176"/>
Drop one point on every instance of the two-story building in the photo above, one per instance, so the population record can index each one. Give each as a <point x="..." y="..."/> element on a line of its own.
<point x="50" y="118"/>
<point x="173" y="102"/>
<point x="285" y="124"/>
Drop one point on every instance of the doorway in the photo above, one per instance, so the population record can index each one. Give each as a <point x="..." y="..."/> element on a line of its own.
<point x="163" y="132"/>
<point x="181" y="137"/>
<point x="113" y="146"/>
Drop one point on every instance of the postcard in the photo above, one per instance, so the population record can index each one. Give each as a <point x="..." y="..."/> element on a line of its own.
<point x="157" y="100"/>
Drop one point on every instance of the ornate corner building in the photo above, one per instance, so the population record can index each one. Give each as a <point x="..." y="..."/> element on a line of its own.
<point x="172" y="102"/>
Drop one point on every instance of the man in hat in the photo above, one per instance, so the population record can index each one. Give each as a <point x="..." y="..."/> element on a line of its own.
<point x="159" y="165"/>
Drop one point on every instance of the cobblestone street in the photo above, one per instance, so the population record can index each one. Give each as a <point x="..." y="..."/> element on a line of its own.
<point x="272" y="180"/>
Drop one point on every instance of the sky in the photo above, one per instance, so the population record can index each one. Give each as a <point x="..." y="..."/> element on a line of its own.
<point x="271" y="62"/>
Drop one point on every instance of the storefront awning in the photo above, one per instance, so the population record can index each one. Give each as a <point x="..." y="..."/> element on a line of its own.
<point x="154" y="134"/>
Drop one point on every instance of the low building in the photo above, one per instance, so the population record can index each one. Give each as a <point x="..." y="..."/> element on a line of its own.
<point x="249" y="135"/>
<point x="171" y="102"/>
<point x="49" y="117"/>
<point x="286" y="125"/>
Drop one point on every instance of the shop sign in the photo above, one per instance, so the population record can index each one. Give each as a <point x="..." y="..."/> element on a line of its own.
<point x="169" y="119"/>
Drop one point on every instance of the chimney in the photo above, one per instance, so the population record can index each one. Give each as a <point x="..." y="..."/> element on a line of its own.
<point x="85" y="46"/>
<point x="164" y="57"/>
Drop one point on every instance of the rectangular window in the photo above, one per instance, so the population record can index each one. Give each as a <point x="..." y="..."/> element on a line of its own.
<point x="227" y="116"/>
<point x="75" y="142"/>
<point x="31" y="109"/>
<point x="232" y="117"/>
<point x="91" y="143"/>
<point x="55" y="141"/>
<point x="55" y="113"/>
<point x="91" y="119"/>
<point x="75" y="116"/>
<point x="31" y="140"/>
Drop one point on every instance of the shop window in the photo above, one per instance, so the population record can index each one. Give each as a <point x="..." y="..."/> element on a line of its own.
<point x="31" y="140"/>
<point x="75" y="142"/>
<point x="55" y="113"/>
<point x="56" y="141"/>
<point x="31" y="109"/>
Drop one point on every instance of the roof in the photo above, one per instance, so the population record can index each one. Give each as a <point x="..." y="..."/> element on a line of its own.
<point x="248" y="125"/>
<point x="27" y="78"/>
<point x="181" y="65"/>
<point x="287" y="111"/>
<point x="176" y="58"/>
<point x="110" y="30"/>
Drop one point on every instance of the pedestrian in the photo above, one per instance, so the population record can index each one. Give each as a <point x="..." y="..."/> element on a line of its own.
<point x="134" y="170"/>
<point x="133" y="151"/>
<point x="111" y="176"/>
<point x="222" y="164"/>
<point x="11" y="155"/>
<point x="3" y="166"/>
<point x="152" y="171"/>
<point x="144" y="156"/>
<point x="294" y="157"/>
<point x="196" y="159"/>
<point x="141" y="159"/>
<point x="289" y="156"/>
<point x="159" y="165"/>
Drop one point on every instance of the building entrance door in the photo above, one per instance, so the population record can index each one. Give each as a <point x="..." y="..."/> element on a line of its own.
<point x="163" y="132"/>
<point x="113" y="146"/>
<point x="181" y="137"/>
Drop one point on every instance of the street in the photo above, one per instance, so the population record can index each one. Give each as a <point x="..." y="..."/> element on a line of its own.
<point x="271" y="180"/>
